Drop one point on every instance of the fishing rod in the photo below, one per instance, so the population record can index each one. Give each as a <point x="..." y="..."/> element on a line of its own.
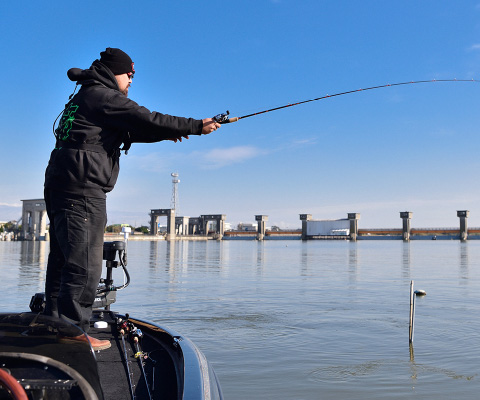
<point x="136" y="334"/>
<point x="224" y="119"/>
<point x="123" y="328"/>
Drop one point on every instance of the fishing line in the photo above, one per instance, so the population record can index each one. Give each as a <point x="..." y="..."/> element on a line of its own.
<point x="224" y="119"/>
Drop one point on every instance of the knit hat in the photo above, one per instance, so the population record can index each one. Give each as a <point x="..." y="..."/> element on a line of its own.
<point x="117" y="61"/>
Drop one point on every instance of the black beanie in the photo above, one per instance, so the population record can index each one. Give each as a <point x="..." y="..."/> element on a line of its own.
<point x="117" y="61"/>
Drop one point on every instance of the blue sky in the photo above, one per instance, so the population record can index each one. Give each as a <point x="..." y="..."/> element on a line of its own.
<point x="409" y="148"/>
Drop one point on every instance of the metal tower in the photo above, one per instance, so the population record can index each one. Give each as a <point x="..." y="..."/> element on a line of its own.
<point x="174" y="204"/>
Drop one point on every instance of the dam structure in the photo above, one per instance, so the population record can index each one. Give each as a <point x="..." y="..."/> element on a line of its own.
<point x="212" y="226"/>
<point x="215" y="226"/>
<point x="348" y="229"/>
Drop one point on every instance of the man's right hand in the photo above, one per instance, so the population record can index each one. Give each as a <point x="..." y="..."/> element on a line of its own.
<point x="209" y="125"/>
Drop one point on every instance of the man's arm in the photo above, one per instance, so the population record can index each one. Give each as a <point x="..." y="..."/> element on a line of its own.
<point x="209" y="125"/>
<point x="145" y="126"/>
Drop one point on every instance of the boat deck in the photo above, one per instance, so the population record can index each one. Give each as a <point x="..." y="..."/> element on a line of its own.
<point x="112" y="369"/>
<point x="31" y="352"/>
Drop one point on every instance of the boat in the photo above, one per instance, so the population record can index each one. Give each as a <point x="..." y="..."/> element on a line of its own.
<point x="145" y="360"/>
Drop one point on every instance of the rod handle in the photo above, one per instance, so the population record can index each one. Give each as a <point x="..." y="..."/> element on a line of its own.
<point x="227" y="121"/>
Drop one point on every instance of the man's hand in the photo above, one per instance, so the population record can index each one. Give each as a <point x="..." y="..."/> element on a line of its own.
<point x="178" y="139"/>
<point x="209" y="125"/>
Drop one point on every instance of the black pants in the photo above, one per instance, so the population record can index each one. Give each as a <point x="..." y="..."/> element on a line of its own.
<point x="74" y="267"/>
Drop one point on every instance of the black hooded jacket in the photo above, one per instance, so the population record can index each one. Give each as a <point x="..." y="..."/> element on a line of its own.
<point x="93" y="126"/>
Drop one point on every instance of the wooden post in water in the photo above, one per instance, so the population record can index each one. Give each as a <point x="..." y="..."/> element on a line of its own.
<point x="412" y="313"/>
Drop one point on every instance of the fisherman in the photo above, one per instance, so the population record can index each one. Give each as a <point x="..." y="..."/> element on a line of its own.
<point x="83" y="167"/>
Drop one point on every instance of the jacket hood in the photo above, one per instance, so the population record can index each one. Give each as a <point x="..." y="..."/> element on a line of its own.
<point x="97" y="73"/>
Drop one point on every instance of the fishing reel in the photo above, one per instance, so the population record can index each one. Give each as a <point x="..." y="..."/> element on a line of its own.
<point x="123" y="324"/>
<point x="222" y="118"/>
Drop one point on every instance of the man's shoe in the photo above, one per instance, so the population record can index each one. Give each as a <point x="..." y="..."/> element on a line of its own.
<point x="95" y="343"/>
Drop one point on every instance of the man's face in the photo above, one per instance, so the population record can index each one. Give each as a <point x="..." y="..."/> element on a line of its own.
<point x="124" y="81"/>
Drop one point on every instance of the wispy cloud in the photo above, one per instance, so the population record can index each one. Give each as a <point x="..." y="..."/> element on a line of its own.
<point x="217" y="158"/>
<point x="289" y="144"/>
<point x="474" y="47"/>
<point x="305" y="142"/>
<point x="10" y="204"/>
<point x="212" y="159"/>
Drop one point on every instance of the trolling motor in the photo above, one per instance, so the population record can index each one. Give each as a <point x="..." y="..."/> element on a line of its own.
<point x="107" y="292"/>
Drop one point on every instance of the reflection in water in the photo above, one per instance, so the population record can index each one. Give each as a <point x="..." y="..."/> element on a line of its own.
<point x="33" y="264"/>
<point x="423" y="369"/>
<point x="352" y="263"/>
<point x="463" y="264"/>
<point x="171" y="248"/>
<point x="152" y="260"/>
<point x="212" y="252"/>
<point x="304" y="259"/>
<point x="413" y="366"/>
<point x="178" y="256"/>
<point x="260" y="257"/>
<point x="33" y="253"/>
<point x="406" y="262"/>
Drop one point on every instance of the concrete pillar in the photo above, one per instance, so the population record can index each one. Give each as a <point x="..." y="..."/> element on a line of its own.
<point x="38" y="225"/>
<point x="181" y="225"/>
<point x="171" y="224"/>
<point x="463" y="215"/>
<point x="221" y="226"/>
<point x="353" y="218"/>
<point x="406" y="216"/>
<point x="153" y="224"/>
<point x="43" y="225"/>
<point x="304" y="218"/>
<point x="261" y="219"/>
<point x="26" y="221"/>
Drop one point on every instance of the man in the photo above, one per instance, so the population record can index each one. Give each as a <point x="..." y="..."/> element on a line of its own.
<point x="83" y="167"/>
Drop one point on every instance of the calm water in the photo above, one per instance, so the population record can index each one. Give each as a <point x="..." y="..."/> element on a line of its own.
<point x="302" y="320"/>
